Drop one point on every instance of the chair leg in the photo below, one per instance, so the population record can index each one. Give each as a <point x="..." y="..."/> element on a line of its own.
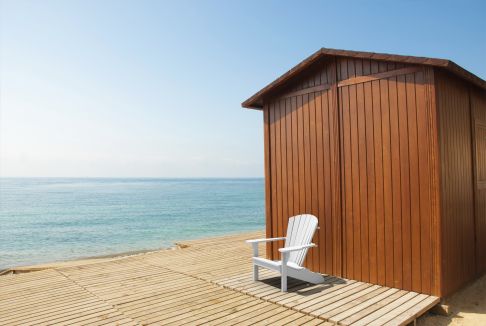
<point x="255" y="267"/>
<point x="284" y="283"/>
<point x="285" y="258"/>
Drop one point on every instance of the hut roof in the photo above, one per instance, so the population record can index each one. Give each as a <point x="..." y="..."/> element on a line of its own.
<point x="256" y="101"/>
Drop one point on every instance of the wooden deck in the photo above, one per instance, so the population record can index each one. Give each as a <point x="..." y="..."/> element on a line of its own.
<point x="209" y="282"/>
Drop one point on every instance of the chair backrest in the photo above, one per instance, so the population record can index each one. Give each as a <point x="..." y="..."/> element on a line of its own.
<point x="300" y="231"/>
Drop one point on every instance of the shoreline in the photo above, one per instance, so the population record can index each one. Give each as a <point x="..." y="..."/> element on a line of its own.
<point x="179" y="245"/>
<point x="84" y="260"/>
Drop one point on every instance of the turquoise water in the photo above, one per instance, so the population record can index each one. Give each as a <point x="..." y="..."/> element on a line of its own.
<point x="53" y="219"/>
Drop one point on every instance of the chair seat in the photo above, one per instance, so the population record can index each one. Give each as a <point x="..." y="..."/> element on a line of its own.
<point x="274" y="264"/>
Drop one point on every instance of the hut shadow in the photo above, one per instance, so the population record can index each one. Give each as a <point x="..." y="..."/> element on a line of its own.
<point x="303" y="288"/>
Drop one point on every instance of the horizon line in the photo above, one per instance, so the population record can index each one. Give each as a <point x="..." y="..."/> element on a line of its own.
<point x="131" y="177"/>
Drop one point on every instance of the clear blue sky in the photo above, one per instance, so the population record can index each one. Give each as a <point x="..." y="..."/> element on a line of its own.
<point x="153" y="88"/>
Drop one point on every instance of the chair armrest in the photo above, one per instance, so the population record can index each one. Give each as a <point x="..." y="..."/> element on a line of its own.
<point x="265" y="240"/>
<point x="296" y="248"/>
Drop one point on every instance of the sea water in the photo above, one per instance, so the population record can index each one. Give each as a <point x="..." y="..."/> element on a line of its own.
<point x="56" y="219"/>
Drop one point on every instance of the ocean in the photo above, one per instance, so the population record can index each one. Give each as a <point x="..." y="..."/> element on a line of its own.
<point x="56" y="219"/>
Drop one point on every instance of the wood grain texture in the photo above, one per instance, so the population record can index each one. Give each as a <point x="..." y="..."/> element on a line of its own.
<point x="478" y="109"/>
<point x="268" y="178"/>
<point x="433" y="149"/>
<point x="457" y="189"/>
<point x="303" y="161"/>
<point x="395" y="153"/>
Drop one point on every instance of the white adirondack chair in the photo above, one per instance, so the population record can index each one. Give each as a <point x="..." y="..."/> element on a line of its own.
<point x="300" y="230"/>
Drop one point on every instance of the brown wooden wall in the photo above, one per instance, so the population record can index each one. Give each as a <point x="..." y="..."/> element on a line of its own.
<point x="387" y="178"/>
<point x="460" y="227"/>
<point x="359" y="154"/>
<point x="478" y="109"/>
<point x="301" y="166"/>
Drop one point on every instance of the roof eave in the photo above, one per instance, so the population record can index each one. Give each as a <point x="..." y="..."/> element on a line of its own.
<point x="256" y="101"/>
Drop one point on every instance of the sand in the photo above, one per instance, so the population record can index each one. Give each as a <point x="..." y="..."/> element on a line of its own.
<point x="467" y="307"/>
<point x="85" y="260"/>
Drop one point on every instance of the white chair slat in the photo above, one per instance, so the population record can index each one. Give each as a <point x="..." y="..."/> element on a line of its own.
<point x="290" y="229"/>
<point x="308" y="229"/>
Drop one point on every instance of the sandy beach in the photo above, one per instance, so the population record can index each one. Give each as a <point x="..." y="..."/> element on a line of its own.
<point x="467" y="307"/>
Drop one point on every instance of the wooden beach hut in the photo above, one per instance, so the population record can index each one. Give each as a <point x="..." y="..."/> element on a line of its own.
<point x="389" y="152"/>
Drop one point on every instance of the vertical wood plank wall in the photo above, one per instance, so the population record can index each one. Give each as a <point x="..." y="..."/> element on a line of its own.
<point x="302" y="169"/>
<point x="457" y="182"/>
<point x="359" y="158"/>
<point x="478" y="109"/>
<point x="387" y="177"/>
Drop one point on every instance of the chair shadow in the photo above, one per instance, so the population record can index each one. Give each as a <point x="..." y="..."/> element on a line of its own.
<point x="304" y="288"/>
